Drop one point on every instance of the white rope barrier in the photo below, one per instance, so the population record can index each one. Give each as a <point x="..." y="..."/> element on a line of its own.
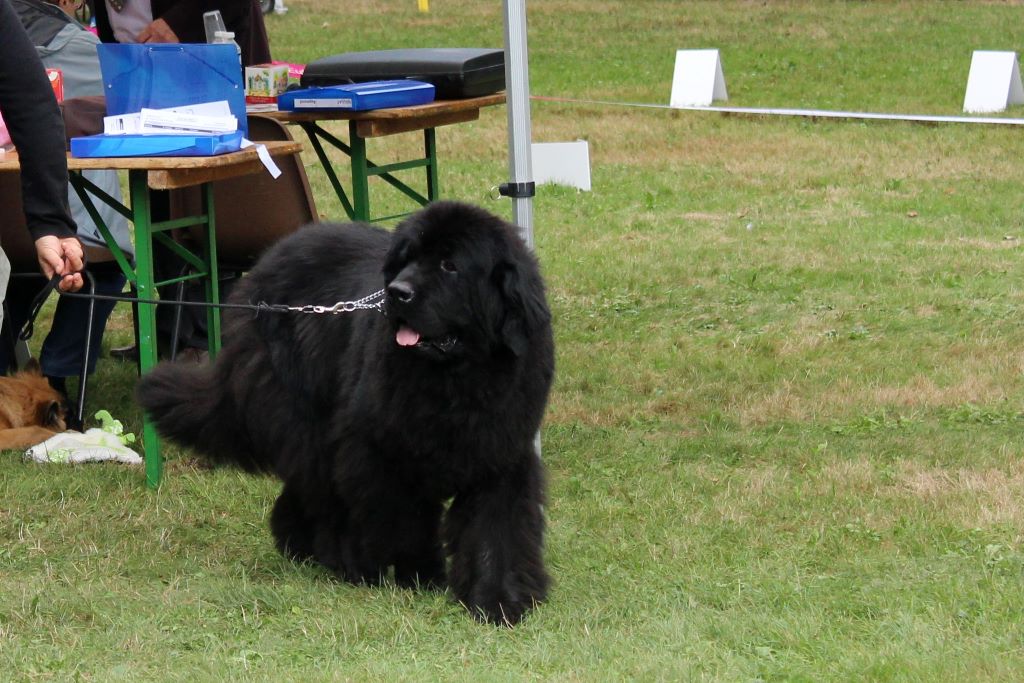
<point x="805" y="113"/>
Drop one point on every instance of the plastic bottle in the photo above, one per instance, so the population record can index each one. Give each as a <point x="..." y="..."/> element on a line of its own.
<point x="228" y="38"/>
<point x="213" y="22"/>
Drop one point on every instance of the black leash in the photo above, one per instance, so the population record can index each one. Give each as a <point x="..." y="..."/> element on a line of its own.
<point x="37" y="304"/>
<point x="373" y="301"/>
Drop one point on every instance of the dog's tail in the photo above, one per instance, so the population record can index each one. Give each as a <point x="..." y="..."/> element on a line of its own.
<point x="190" y="405"/>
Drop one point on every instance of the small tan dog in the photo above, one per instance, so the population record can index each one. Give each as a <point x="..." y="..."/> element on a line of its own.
<point x="31" y="411"/>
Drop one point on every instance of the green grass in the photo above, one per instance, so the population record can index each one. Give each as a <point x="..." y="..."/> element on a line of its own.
<point x="785" y="437"/>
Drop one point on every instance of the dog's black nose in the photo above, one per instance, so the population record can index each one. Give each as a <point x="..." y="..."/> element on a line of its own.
<point x="401" y="290"/>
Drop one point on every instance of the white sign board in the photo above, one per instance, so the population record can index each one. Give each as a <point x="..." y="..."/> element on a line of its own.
<point x="562" y="163"/>
<point x="698" y="79"/>
<point x="993" y="83"/>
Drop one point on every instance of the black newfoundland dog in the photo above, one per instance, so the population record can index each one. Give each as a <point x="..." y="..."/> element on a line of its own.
<point x="405" y="441"/>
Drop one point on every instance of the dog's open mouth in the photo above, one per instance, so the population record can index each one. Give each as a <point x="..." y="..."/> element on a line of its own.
<point x="408" y="337"/>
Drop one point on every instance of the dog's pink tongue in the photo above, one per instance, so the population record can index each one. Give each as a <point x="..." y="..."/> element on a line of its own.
<point x="407" y="336"/>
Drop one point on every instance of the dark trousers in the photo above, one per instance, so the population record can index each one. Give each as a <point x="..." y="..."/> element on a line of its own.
<point x="191" y="319"/>
<point x="61" y="354"/>
<point x="168" y="265"/>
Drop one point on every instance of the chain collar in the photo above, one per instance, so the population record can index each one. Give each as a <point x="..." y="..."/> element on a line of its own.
<point x="369" y="302"/>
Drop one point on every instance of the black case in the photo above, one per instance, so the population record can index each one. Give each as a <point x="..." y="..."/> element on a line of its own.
<point x="455" y="73"/>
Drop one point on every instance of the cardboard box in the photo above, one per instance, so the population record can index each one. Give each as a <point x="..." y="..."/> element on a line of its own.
<point x="294" y="71"/>
<point x="264" y="82"/>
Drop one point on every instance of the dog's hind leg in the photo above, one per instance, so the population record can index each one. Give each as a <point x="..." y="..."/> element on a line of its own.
<point x="419" y="555"/>
<point x="392" y="525"/>
<point x="312" y="524"/>
<point x="293" y="528"/>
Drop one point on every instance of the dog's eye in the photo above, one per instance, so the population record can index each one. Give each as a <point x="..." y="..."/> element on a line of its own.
<point x="448" y="266"/>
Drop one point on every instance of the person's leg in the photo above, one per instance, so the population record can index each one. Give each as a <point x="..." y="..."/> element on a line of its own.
<point x="18" y="300"/>
<point x="192" y="332"/>
<point x="61" y="355"/>
<point x="5" y="275"/>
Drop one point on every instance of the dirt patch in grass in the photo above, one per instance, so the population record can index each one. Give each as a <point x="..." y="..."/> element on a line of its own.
<point x="982" y="381"/>
<point x="976" y="498"/>
<point x="850" y="475"/>
<point x="970" y="498"/>
<point x="959" y="243"/>
<point x="743" y="493"/>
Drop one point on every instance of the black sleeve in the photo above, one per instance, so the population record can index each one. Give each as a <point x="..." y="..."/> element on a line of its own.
<point x="185" y="17"/>
<point x="34" y="122"/>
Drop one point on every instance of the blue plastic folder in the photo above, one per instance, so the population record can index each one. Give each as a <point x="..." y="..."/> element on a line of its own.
<point x="155" y="145"/>
<point x="358" y="96"/>
<point x="157" y="76"/>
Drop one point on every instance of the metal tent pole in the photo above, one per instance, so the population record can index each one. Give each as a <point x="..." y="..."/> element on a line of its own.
<point x="520" y="187"/>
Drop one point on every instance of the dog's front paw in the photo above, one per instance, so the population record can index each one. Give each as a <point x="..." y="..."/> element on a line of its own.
<point x="507" y="613"/>
<point x="506" y="605"/>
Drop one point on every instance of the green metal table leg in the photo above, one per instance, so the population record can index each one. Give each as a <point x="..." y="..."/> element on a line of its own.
<point x="139" y="191"/>
<point x="430" y="152"/>
<point x="213" y="279"/>
<point x="86" y="190"/>
<point x="360" y="179"/>
<point x="363" y="168"/>
<point x="314" y="133"/>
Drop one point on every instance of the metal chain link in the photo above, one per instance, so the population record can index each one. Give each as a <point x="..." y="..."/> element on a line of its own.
<point x="371" y="301"/>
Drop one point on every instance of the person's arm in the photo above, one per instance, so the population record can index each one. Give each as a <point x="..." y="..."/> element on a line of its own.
<point x="37" y="129"/>
<point x="182" y="21"/>
<point x="186" y="14"/>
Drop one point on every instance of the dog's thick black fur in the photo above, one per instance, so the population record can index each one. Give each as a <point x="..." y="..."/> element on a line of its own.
<point x="401" y="438"/>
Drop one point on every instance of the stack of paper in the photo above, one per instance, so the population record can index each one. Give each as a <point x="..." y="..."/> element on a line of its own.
<point x="210" y="118"/>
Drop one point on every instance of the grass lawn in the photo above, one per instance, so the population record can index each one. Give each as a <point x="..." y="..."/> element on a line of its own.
<point x="784" y="441"/>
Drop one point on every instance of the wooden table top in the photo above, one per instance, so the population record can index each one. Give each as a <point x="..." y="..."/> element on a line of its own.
<point x="379" y="122"/>
<point x="168" y="173"/>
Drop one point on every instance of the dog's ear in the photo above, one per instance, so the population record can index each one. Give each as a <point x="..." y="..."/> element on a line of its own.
<point x="397" y="256"/>
<point x="32" y="367"/>
<point x="50" y="414"/>
<point x="525" y="310"/>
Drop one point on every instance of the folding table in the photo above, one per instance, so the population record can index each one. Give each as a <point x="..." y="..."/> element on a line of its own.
<point x="363" y="125"/>
<point x="163" y="173"/>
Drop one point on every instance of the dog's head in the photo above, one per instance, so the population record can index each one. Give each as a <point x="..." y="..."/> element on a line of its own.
<point x="28" y="395"/>
<point x="460" y="282"/>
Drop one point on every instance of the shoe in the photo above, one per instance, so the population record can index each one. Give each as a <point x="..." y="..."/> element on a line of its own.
<point x="125" y="353"/>
<point x="71" y="420"/>
<point x="190" y="354"/>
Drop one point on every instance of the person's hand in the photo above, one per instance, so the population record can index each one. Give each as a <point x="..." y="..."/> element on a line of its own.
<point x="157" y="32"/>
<point x="64" y="257"/>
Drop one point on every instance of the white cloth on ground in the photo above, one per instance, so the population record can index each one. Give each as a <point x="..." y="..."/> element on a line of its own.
<point x="95" y="445"/>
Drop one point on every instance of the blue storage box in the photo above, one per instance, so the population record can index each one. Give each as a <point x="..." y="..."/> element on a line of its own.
<point x="163" y="75"/>
<point x="155" y="145"/>
<point x="358" y="96"/>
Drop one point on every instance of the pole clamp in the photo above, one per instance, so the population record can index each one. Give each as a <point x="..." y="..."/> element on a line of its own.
<point x="518" y="190"/>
